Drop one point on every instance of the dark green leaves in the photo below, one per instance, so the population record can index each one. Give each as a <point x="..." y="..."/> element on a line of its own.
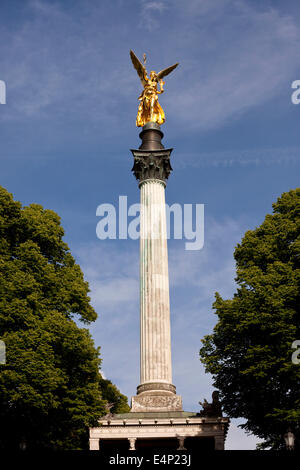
<point x="50" y="386"/>
<point x="249" y="352"/>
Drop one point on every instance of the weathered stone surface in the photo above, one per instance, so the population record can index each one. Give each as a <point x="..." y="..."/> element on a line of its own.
<point x="153" y="386"/>
<point x="156" y="403"/>
<point x="133" y="427"/>
<point x="155" y="335"/>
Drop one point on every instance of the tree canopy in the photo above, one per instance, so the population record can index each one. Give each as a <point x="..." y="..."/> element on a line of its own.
<point x="116" y="402"/>
<point x="250" y="350"/>
<point x="50" y="386"/>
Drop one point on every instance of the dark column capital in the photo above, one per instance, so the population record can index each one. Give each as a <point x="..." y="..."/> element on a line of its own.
<point x="151" y="164"/>
<point x="151" y="160"/>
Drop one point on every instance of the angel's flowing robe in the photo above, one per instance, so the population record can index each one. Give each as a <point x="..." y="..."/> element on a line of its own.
<point x="149" y="109"/>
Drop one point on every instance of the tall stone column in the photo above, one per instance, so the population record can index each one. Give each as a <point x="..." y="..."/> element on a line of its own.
<point x="156" y="364"/>
<point x="152" y="168"/>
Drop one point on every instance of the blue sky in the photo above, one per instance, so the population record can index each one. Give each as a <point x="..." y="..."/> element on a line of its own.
<point x="69" y="122"/>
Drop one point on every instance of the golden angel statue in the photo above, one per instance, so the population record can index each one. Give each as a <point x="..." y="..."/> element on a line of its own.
<point x="149" y="108"/>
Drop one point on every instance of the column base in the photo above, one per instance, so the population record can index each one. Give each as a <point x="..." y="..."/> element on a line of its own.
<point x="162" y="387"/>
<point x="156" y="396"/>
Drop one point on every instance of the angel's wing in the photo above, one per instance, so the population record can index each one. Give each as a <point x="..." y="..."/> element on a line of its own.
<point x="138" y="67"/>
<point x="166" y="71"/>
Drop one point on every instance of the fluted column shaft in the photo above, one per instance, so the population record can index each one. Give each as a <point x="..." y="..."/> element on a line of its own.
<point x="152" y="168"/>
<point x="155" y="346"/>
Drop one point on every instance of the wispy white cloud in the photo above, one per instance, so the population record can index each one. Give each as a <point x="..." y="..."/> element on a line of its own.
<point x="46" y="8"/>
<point x="245" y="56"/>
<point x="112" y="275"/>
<point x="199" y="268"/>
<point x="150" y="12"/>
<point x="63" y="64"/>
<point x="113" y="278"/>
<point x="245" y="157"/>
<point x="234" y="56"/>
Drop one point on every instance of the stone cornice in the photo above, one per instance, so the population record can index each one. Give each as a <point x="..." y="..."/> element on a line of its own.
<point x="161" y="428"/>
<point x="132" y="421"/>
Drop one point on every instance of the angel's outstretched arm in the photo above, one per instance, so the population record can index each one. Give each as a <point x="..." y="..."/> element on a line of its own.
<point x="161" y="84"/>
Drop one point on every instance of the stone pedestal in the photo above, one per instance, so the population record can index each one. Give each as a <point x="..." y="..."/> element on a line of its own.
<point x="157" y="402"/>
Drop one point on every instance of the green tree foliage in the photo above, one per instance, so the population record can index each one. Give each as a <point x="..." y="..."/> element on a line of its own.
<point x="49" y="387"/>
<point x="117" y="403"/>
<point x="249" y="352"/>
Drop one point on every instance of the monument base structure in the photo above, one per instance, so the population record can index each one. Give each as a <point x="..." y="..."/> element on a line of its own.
<point x="159" y="432"/>
<point x="156" y="420"/>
